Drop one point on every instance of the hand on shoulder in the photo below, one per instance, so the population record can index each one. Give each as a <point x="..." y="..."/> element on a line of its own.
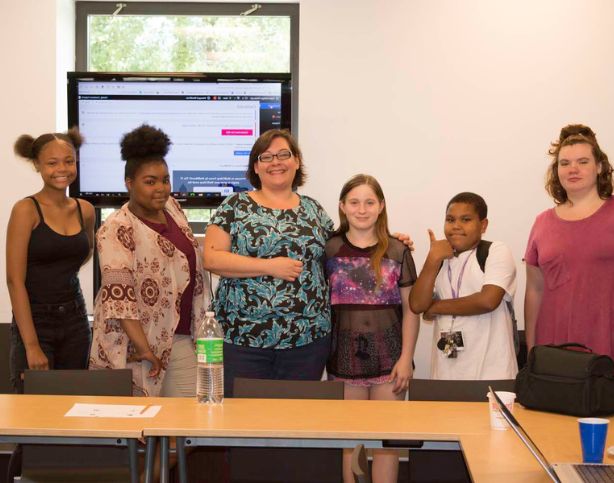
<point x="405" y="239"/>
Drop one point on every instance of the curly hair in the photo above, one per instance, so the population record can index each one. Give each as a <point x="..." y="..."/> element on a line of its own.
<point x="143" y="145"/>
<point x="577" y="134"/>
<point x="262" y="144"/>
<point x="30" y="148"/>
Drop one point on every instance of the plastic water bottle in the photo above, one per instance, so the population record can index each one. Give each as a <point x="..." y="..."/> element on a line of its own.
<point x="210" y="354"/>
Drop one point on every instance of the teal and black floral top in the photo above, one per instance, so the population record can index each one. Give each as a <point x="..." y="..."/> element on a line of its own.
<point x="269" y="312"/>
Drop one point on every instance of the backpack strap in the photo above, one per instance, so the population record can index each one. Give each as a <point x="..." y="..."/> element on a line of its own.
<point x="482" y="253"/>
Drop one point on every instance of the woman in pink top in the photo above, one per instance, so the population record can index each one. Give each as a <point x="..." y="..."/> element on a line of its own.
<point x="570" y="254"/>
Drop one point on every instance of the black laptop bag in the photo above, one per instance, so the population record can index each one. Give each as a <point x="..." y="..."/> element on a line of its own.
<point x="567" y="379"/>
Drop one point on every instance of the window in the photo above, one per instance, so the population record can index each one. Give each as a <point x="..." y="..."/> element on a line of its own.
<point x="198" y="217"/>
<point x="194" y="43"/>
<point x="189" y="37"/>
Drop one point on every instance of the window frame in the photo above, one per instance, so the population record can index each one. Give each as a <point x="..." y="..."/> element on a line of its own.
<point x="292" y="10"/>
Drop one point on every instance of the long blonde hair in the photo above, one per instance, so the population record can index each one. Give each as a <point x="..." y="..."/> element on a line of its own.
<point x="381" y="225"/>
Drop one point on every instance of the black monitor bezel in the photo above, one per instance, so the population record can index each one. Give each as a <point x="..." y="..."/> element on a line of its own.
<point x="117" y="199"/>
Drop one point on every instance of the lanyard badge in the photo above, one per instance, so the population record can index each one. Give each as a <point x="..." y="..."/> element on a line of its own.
<point x="451" y="342"/>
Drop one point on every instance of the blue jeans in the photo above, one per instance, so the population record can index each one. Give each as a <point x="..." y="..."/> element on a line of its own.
<point x="299" y="363"/>
<point x="64" y="336"/>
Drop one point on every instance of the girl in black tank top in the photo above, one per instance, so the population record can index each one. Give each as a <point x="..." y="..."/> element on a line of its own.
<point x="44" y="254"/>
<point x="52" y="256"/>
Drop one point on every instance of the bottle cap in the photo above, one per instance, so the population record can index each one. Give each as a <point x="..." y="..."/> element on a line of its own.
<point x="209" y="314"/>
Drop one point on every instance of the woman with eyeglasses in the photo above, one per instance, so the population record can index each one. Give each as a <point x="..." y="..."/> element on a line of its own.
<point x="267" y="246"/>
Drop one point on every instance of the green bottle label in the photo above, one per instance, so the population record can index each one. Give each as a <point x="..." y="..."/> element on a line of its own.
<point x="210" y="351"/>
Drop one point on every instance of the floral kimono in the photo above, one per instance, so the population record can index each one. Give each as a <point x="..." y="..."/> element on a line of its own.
<point x="143" y="277"/>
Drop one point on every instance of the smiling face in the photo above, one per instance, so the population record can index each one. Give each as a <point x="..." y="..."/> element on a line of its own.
<point x="577" y="169"/>
<point x="277" y="174"/>
<point x="361" y="207"/>
<point x="57" y="165"/>
<point x="150" y="187"/>
<point x="463" y="227"/>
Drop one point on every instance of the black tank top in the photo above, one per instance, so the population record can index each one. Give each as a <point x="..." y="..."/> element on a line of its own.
<point x="54" y="261"/>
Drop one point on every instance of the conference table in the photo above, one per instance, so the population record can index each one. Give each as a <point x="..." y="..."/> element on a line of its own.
<point x="490" y="455"/>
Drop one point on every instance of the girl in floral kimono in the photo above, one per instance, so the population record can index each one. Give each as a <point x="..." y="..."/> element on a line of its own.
<point x="153" y="286"/>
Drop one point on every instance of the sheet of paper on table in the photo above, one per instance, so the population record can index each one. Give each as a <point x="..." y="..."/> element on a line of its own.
<point x="80" y="410"/>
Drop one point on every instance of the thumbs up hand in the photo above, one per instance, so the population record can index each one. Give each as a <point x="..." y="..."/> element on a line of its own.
<point x="440" y="249"/>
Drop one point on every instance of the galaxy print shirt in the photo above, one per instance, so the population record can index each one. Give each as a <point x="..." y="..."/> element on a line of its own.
<point x="268" y="312"/>
<point x="367" y="319"/>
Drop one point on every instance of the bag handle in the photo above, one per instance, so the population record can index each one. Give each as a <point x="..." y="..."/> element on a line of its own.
<point x="571" y="345"/>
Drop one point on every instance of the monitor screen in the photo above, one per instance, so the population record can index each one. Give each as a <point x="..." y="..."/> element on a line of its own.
<point x="211" y="119"/>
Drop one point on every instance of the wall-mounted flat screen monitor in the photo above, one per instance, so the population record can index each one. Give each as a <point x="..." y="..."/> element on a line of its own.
<point x="211" y="119"/>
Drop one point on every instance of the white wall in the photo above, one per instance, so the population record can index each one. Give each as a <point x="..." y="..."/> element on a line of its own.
<point x="433" y="97"/>
<point x="36" y="48"/>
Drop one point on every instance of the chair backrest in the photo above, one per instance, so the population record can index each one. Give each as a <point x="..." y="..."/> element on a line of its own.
<point x="5" y="380"/>
<point x="360" y="465"/>
<point x="454" y="390"/>
<point x="276" y="389"/>
<point x="41" y="461"/>
<point x="286" y="465"/>
<point x="74" y="382"/>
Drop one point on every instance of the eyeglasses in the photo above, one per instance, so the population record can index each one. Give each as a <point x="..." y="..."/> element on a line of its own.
<point x="281" y="156"/>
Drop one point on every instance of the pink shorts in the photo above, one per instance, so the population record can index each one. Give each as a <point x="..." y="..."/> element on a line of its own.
<point x="366" y="382"/>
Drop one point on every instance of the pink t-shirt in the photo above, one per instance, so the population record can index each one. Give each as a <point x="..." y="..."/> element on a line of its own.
<point x="577" y="262"/>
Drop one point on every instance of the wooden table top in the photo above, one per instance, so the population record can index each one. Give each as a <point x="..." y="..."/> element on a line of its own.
<point x="491" y="455"/>
<point x="29" y="415"/>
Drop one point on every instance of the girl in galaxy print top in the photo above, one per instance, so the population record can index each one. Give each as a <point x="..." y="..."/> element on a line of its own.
<point x="374" y="331"/>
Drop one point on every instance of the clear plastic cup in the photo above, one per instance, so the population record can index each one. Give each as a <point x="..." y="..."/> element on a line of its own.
<point x="497" y="421"/>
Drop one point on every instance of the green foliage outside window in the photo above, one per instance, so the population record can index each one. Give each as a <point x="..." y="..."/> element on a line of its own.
<point x="201" y="215"/>
<point x="162" y="43"/>
<point x="182" y="43"/>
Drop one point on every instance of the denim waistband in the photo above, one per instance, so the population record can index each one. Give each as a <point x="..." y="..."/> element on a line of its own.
<point x="65" y="307"/>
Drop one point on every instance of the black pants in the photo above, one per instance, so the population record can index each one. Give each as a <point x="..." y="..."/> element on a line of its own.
<point x="63" y="334"/>
<point x="299" y="363"/>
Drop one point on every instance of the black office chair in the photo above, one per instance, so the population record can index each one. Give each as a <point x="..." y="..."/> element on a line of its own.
<point x="5" y="338"/>
<point x="454" y="390"/>
<point x="287" y="464"/>
<point x="6" y="449"/>
<point x="43" y="463"/>
<point x="360" y="465"/>
<point x="439" y="466"/>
